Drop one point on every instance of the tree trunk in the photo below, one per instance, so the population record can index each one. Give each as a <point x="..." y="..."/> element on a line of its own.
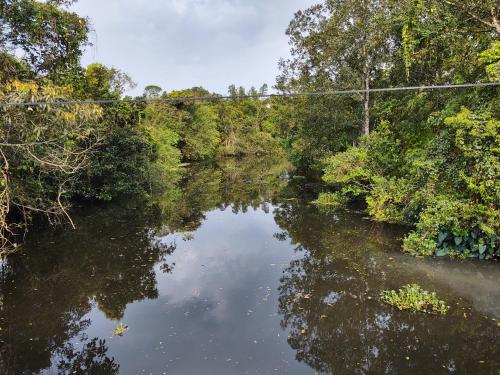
<point x="496" y="21"/>
<point x="365" y="129"/>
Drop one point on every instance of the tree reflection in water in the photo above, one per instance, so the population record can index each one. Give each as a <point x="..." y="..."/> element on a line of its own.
<point x="239" y="184"/>
<point x="328" y="292"/>
<point x="328" y="302"/>
<point x="47" y="290"/>
<point x="92" y="359"/>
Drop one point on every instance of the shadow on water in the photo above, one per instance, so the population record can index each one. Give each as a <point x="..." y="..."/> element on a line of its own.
<point x="333" y="267"/>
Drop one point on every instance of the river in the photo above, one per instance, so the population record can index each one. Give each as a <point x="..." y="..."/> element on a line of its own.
<point x="231" y="270"/>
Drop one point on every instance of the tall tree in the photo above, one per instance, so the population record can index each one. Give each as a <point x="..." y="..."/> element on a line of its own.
<point x="152" y="91"/>
<point x="340" y="44"/>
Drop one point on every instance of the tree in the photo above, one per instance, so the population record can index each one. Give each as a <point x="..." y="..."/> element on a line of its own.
<point x="263" y="89"/>
<point x="484" y="12"/>
<point x="152" y="91"/>
<point x="430" y="162"/>
<point x="195" y="122"/>
<point x="50" y="37"/>
<point x="245" y="125"/>
<point x="101" y="82"/>
<point x="43" y="150"/>
<point x="441" y="40"/>
<point x="340" y="44"/>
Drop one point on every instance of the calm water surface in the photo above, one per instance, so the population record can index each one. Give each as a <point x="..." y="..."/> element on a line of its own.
<point x="232" y="271"/>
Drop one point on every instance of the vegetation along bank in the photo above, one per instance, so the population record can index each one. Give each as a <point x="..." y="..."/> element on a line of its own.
<point x="428" y="159"/>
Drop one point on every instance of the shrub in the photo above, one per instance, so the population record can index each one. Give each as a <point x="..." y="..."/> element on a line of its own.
<point x="119" y="166"/>
<point x="448" y="189"/>
<point x="390" y="200"/>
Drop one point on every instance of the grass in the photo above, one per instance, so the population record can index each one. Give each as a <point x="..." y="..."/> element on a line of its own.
<point x="413" y="297"/>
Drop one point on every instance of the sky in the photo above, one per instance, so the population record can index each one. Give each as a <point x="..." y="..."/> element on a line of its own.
<point x="178" y="44"/>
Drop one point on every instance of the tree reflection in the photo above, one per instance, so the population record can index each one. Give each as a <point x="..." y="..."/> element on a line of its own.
<point x="47" y="291"/>
<point x="109" y="262"/>
<point x="328" y="302"/>
<point x="239" y="184"/>
<point x="92" y="359"/>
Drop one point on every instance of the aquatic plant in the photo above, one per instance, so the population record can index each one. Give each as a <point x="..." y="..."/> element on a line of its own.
<point x="120" y="329"/>
<point x="413" y="297"/>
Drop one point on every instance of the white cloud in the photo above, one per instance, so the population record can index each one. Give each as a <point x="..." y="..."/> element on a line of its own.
<point x="184" y="43"/>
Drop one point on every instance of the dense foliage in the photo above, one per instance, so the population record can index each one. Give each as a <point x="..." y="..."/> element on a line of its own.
<point x="204" y="129"/>
<point x="52" y="154"/>
<point x="42" y="149"/>
<point x="428" y="159"/>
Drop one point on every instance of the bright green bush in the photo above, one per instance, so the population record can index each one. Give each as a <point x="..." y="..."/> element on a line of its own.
<point x="413" y="297"/>
<point x="349" y="171"/>
<point x="448" y="188"/>
<point x="390" y="200"/>
<point x="200" y="133"/>
<point x="491" y="58"/>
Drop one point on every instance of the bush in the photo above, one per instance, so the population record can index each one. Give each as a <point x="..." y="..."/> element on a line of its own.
<point x="448" y="188"/>
<point x="120" y="165"/>
<point x="456" y="229"/>
<point x="390" y="200"/>
<point x="348" y="172"/>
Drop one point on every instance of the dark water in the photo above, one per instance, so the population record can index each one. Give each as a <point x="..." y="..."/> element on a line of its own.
<point x="231" y="271"/>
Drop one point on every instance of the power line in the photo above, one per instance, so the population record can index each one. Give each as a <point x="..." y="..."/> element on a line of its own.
<point x="259" y="96"/>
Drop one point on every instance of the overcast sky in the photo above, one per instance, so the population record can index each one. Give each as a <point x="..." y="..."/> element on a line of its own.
<point x="184" y="43"/>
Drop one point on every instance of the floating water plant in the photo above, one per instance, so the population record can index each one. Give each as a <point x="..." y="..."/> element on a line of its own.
<point x="120" y="329"/>
<point x="413" y="297"/>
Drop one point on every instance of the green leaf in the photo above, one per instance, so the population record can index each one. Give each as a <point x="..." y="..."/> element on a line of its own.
<point x="493" y="240"/>
<point x="442" y="252"/>
<point x="441" y="237"/>
<point x="482" y="249"/>
<point x="458" y="240"/>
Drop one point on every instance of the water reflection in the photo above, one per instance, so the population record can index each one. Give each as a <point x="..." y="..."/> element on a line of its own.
<point x="237" y="183"/>
<point x="229" y="270"/>
<point x="328" y="301"/>
<point x="48" y="290"/>
<point x="92" y="359"/>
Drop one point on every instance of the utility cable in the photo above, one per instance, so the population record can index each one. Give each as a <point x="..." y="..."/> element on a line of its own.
<point x="259" y="96"/>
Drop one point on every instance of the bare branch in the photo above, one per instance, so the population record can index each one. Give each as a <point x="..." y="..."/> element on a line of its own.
<point x="61" y="205"/>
